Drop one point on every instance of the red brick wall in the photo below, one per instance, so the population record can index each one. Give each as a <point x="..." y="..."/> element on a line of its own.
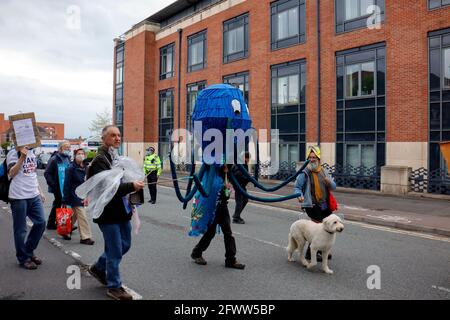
<point x="58" y="127"/>
<point x="404" y="31"/>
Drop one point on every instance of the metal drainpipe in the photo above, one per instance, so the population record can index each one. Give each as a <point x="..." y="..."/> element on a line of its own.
<point x="180" y="37"/>
<point x="318" y="72"/>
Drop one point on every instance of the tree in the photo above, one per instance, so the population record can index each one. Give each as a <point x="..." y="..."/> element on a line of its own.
<point x="102" y="119"/>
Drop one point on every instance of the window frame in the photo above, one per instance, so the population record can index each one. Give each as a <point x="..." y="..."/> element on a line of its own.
<point x="279" y="7"/>
<point x="166" y="121"/>
<point x="230" y="25"/>
<point x="164" y="52"/>
<point x="246" y="75"/>
<point x="442" y="5"/>
<point x="194" y="39"/>
<point x="342" y="25"/>
<point x="360" y="95"/>
<point x="199" y="84"/>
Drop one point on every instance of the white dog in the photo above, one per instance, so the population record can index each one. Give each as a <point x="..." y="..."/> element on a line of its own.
<point x="320" y="236"/>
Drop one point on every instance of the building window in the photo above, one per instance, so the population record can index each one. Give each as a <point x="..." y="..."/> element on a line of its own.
<point x="356" y="14"/>
<point x="288" y="23"/>
<point x="288" y="86"/>
<point x="239" y="80"/>
<point x="235" y="38"/>
<point x="433" y="4"/>
<point x="359" y="79"/>
<point x="118" y="103"/>
<point x="360" y="106"/>
<point x="439" y="97"/>
<point x="166" y="61"/>
<point x="165" y="120"/>
<point x="197" y="54"/>
<point x="193" y="91"/>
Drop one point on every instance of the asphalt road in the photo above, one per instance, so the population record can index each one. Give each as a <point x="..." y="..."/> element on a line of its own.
<point x="159" y="266"/>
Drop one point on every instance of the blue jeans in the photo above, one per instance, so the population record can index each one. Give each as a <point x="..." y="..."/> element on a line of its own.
<point x="21" y="209"/>
<point x="117" y="243"/>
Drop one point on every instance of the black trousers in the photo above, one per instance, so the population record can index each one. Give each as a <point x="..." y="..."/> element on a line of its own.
<point x="56" y="204"/>
<point x="317" y="214"/>
<point x="222" y="219"/>
<point x="241" y="202"/>
<point x="152" y="177"/>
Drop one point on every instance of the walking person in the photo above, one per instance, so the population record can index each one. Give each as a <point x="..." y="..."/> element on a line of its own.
<point x="54" y="176"/>
<point x="26" y="200"/>
<point x="314" y="185"/>
<point x="222" y="218"/>
<point x="240" y="198"/>
<point x="114" y="221"/>
<point x="152" y="169"/>
<point x="75" y="175"/>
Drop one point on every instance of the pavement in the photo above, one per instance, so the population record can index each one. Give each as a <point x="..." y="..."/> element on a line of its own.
<point x="422" y="213"/>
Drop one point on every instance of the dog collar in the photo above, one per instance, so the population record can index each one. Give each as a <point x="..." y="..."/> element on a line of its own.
<point x="330" y="232"/>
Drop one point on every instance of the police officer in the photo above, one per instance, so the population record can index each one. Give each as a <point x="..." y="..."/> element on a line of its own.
<point x="152" y="169"/>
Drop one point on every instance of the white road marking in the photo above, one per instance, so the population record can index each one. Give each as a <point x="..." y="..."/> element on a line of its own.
<point x="441" y="288"/>
<point x="391" y="218"/>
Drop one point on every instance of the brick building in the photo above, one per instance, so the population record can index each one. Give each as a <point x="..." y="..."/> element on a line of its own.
<point x="378" y="94"/>
<point x="49" y="131"/>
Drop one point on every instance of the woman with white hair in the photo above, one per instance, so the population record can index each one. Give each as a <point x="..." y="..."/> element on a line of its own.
<point x="54" y="175"/>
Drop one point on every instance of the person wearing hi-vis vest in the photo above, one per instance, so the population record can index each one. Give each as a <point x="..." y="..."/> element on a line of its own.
<point x="152" y="169"/>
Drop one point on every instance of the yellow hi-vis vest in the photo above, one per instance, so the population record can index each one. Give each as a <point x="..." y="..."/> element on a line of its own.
<point x="152" y="163"/>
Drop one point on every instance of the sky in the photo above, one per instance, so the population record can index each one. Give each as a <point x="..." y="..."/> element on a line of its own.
<point x="56" y="56"/>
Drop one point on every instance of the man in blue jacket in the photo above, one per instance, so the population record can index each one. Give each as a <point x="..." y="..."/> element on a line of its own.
<point x="54" y="176"/>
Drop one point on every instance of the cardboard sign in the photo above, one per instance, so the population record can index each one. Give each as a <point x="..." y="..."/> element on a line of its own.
<point x="25" y="130"/>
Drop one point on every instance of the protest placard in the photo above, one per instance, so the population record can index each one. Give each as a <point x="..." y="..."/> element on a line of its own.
<point x="25" y="130"/>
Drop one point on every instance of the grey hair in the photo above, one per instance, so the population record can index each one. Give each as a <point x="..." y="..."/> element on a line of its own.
<point x="105" y="129"/>
<point x="62" y="143"/>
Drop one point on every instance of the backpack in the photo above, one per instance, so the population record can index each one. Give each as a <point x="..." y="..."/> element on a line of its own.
<point x="4" y="182"/>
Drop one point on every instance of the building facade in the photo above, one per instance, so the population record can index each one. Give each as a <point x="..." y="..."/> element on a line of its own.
<point x="368" y="80"/>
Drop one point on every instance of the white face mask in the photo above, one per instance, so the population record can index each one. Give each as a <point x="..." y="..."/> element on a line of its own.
<point x="66" y="153"/>
<point x="80" y="157"/>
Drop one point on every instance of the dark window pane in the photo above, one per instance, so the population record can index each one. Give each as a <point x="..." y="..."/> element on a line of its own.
<point x="289" y="138"/>
<point x="435" y="156"/>
<point x="340" y="82"/>
<point x="435" y="116"/>
<point x="360" y="57"/>
<point x="446" y="116"/>
<point x="288" y="123"/>
<point x="445" y="135"/>
<point x="340" y="121"/>
<point x="381" y="119"/>
<point x="435" y="96"/>
<point x="273" y="124"/>
<point x="340" y="105"/>
<point x="446" y="72"/>
<point x="340" y="137"/>
<point x="446" y="40"/>
<point x="381" y="151"/>
<point x="358" y="103"/>
<point x="340" y="153"/>
<point x="381" y="101"/>
<point x="360" y="120"/>
<point x="435" y="4"/>
<point x="381" y="53"/>
<point x="435" y="70"/>
<point x="367" y="79"/>
<point x="435" y="136"/>
<point x="380" y="136"/>
<point x="435" y="42"/>
<point x="360" y="137"/>
<point x="302" y="123"/>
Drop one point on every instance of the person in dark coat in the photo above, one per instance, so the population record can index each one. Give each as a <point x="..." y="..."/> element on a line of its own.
<point x="54" y="176"/>
<point x="114" y="221"/>
<point x="240" y="198"/>
<point x="74" y="177"/>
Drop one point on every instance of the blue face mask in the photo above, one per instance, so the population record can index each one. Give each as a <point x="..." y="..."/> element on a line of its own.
<point x="66" y="153"/>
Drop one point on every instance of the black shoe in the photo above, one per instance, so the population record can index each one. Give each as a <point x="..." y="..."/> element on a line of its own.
<point x="199" y="260"/>
<point x="235" y="265"/>
<point x="87" y="241"/>
<point x="51" y="227"/>
<point x="239" y="221"/>
<point x="149" y="201"/>
<point x="66" y="237"/>
<point x="153" y="202"/>
<point x="319" y="256"/>
<point x="74" y="228"/>
<point x="29" y="265"/>
<point x="100" y="276"/>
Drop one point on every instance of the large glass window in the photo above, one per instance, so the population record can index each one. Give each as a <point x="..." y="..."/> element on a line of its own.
<point x="288" y="83"/>
<point x="360" y="127"/>
<point x="355" y="14"/>
<point x="288" y="23"/>
<point x="235" y="38"/>
<point x="165" y="120"/>
<point x="118" y="103"/>
<point x="359" y="80"/>
<point x="193" y="91"/>
<point x="166" y="61"/>
<point x="439" y="106"/>
<point x="197" y="51"/>
<point x="239" y="80"/>
<point x="433" y="4"/>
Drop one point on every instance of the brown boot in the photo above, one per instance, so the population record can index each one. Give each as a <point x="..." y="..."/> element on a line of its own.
<point x="118" y="294"/>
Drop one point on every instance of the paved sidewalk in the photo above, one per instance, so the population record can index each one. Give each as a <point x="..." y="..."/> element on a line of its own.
<point x="412" y="213"/>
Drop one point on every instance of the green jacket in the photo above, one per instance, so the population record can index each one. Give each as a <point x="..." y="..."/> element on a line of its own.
<point x="152" y="163"/>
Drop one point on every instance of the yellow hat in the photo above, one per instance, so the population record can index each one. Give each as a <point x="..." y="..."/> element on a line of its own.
<point x="315" y="150"/>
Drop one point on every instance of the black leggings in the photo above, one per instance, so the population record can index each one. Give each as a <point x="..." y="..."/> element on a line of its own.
<point x="317" y="214"/>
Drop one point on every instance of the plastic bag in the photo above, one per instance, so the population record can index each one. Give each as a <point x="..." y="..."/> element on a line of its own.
<point x="64" y="221"/>
<point x="101" y="188"/>
<point x="136" y="222"/>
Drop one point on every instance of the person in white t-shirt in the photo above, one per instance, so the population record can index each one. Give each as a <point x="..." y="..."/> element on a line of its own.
<point x="26" y="200"/>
